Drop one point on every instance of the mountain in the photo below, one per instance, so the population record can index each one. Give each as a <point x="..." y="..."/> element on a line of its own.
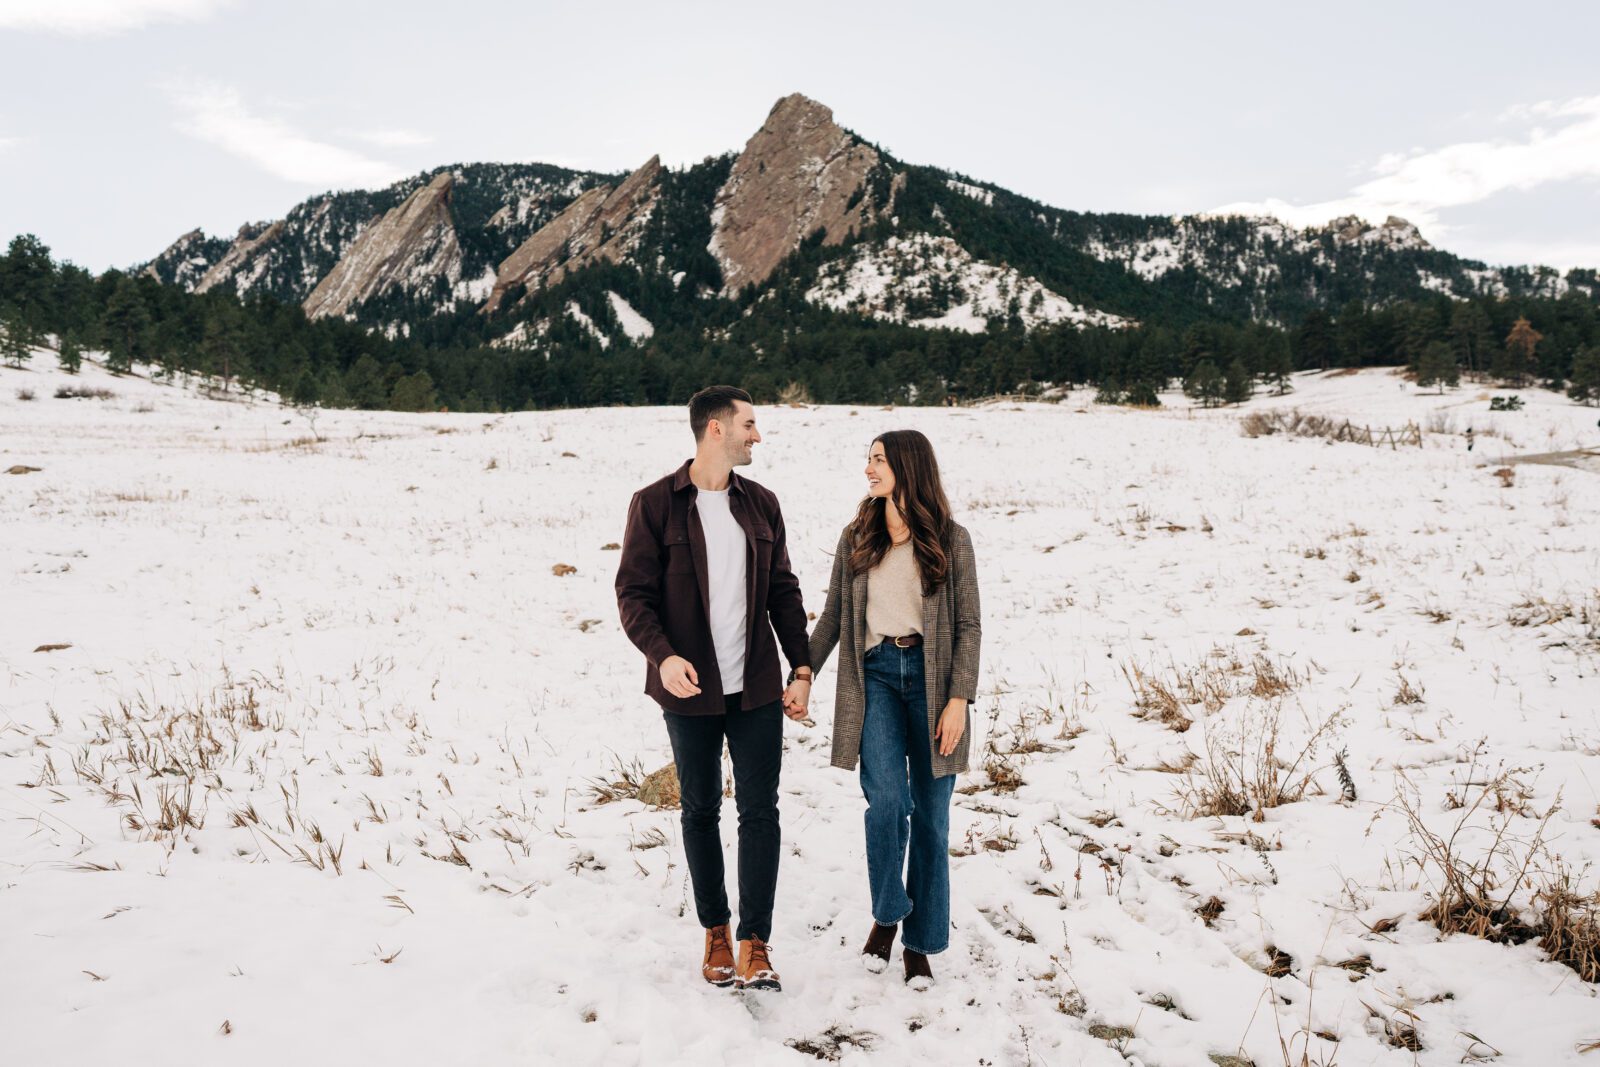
<point x="807" y="214"/>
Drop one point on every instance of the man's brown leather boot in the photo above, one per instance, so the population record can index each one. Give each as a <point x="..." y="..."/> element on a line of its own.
<point x="718" y="966"/>
<point x="755" y="968"/>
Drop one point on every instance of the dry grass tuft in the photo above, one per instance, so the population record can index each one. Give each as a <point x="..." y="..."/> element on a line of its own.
<point x="1511" y="889"/>
<point x="1155" y="700"/>
<point x="1537" y="611"/>
<point x="1242" y="771"/>
<point x="832" y="1044"/>
<point x="1004" y="776"/>
<point x="83" y="392"/>
<point x="1407" y="693"/>
<point x="624" y="784"/>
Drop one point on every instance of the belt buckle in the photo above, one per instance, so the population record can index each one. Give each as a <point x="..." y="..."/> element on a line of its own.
<point x="897" y="641"/>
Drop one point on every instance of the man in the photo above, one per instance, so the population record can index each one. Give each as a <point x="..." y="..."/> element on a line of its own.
<point x="704" y="568"/>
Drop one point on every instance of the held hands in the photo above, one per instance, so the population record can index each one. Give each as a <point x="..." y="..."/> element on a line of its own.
<point x="678" y="677"/>
<point x="952" y="724"/>
<point x="795" y="699"/>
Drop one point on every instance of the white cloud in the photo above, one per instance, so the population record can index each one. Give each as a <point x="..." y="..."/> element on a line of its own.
<point x="395" y="138"/>
<point x="216" y="114"/>
<point x="1419" y="184"/>
<point x="87" y="17"/>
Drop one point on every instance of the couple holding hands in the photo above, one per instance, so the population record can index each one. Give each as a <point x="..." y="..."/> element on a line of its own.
<point x="704" y="583"/>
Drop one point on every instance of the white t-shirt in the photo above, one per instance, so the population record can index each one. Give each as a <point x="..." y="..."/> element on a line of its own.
<point x="727" y="569"/>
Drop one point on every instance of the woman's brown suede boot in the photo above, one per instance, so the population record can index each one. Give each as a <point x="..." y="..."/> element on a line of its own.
<point x="919" y="975"/>
<point x="876" y="953"/>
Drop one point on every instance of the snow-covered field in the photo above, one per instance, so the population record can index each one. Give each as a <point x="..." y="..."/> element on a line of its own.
<point x="312" y="782"/>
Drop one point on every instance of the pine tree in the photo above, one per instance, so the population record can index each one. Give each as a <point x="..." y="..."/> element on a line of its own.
<point x="1237" y="386"/>
<point x="1204" y="384"/>
<point x="414" y="392"/>
<point x="16" y="339"/>
<point x="1470" y="339"/>
<point x="1585" y="386"/>
<point x="1522" y="345"/>
<point x="127" y="327"/>
<point x="1277" y="365"/>
<point x="363" y="383"/>
<point x="69" y="353"/>
<point x="1314" y="343"/>
<point x="222" y="345"/>
<point x="1142" y="394"/>
<point x="1437" y="366"/>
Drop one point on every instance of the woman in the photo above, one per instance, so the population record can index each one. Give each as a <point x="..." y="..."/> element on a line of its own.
<point x="903" y="610"/>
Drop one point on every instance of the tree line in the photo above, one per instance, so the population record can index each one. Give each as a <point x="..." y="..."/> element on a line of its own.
<point x="773" y="342"/>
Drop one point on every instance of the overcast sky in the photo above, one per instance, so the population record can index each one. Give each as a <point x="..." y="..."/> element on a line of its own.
<point x="124" y="123"/>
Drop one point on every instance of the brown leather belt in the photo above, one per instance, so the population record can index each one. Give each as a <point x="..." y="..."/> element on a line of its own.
<point x="908" y="641"/>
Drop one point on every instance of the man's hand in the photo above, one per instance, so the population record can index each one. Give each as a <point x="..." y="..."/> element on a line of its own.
<point x="678" y="677"/>
<point x="952" y="724"/>
<point x="795" y="699"/>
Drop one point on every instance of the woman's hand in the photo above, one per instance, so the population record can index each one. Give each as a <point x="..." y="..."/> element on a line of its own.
<point x="795" y="699"/>
<point x="952" y="724"/>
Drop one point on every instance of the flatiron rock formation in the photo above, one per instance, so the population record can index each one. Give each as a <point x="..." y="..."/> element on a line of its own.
<point x="408" y="247"/>
<point x="604" y="223"/>
<point x="801" y="172"/>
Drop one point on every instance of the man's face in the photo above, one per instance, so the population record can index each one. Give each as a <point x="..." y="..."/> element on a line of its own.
<point x="739" y="434"/>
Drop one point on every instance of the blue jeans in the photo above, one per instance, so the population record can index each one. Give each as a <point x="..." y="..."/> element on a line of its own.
<point x="906" y="804"/>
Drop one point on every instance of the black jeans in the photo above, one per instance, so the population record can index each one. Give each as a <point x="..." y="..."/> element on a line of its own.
<point x="755" y="741"/>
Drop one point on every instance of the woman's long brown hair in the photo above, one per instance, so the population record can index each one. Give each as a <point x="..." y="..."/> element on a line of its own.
<point x="919" y="497"/>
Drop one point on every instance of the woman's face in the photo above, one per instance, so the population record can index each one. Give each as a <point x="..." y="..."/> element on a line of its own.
<point x="880" y="479"/>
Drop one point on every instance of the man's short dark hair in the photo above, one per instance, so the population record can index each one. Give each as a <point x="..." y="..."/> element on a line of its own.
<point x="716" y="402"/>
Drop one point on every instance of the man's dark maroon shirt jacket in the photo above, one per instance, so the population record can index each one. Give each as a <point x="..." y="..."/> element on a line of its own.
<point x="663" y="594"/>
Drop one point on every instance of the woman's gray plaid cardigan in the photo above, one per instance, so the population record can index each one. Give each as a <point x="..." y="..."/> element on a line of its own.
<point x="951" y="634"/>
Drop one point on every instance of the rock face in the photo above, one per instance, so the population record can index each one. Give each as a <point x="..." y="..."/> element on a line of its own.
<point x="252" y="241"/>
<point x="409" y="247"/>
<point x="604" y="223"/>
<point x="186" y="260"/>
<point x="800" y="173"/>
<point x="929" y="281"/>
<point x="1395" y="232"/>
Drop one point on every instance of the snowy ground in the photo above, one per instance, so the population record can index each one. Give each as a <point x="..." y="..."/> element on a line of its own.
<point x="350" y="641"/>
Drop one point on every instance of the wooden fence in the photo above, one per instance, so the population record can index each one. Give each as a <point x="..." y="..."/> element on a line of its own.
<point x="1409" y="434"/>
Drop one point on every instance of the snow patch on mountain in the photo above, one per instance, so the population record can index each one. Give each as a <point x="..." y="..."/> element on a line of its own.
<point x="976" y="192"/>
<point x="929" y="281"/>
<point x="587" y="323"/>
<point x="477" y="289"/>
<point x="635" y="325"/>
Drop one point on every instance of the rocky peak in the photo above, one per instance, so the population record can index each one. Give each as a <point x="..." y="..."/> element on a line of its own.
<point x="253" y="238"/>
<point x="603" y="223"/>
<point x="408" y="247"/>
<point x="185" y="260"/>
<point x="1395" y="231"/>
<point x="798" y="174"/>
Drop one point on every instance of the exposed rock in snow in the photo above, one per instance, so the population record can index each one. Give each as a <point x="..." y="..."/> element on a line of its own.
<point x="408" y="248"/>
<point x="1395" y="232"/>
<point x="930" y="281"/>
<point x="185" y="260"/>
<point x="243" y="261"/>
<point x="635" y="325"/>
<point x="603" y="223"/>
<point x="799" y="173"/>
